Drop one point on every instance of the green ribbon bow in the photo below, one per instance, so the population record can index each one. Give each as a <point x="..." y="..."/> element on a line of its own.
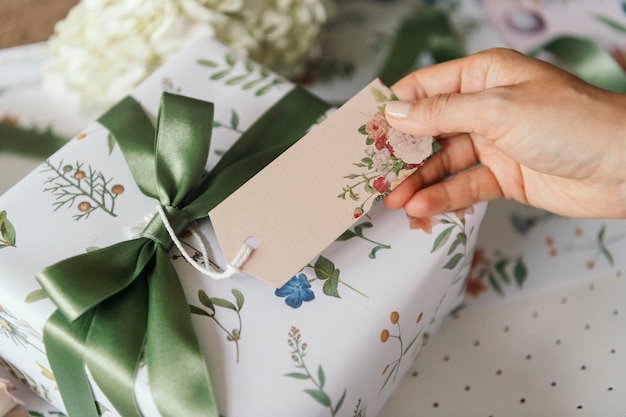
<point x="122" y="304"/>
<point x="428" y="29"/>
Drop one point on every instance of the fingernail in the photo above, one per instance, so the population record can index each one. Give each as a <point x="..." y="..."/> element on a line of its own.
<point x="398" y="109"/>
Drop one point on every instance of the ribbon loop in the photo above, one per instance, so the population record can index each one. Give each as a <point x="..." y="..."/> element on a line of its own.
<point x="157" y="231"/>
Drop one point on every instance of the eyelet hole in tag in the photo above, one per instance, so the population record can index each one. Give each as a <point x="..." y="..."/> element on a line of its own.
<point x="308" y="196"/>
<point x="253" y="242"/>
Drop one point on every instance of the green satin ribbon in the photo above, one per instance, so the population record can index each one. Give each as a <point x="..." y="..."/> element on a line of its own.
<point x="29" y="142"/>
<point x="427" y="30"/>
<point x="585" y="59"/>
<point x="125" y="302"/>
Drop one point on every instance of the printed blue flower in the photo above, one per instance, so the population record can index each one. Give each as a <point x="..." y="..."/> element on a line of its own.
<point x="296" y="290"/>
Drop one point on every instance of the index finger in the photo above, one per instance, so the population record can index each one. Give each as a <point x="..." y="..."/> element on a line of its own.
<point x="470" y="74"/>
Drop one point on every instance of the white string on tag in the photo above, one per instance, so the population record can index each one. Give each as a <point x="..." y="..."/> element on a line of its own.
<point x="231" y="268"/>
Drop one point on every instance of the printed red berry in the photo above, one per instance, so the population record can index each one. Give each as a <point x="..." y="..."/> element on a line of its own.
<point x="395" y="316"/>
<point x="84" y="206"/>
<point x="117" y="189"/>
<point x="384" y="335"/>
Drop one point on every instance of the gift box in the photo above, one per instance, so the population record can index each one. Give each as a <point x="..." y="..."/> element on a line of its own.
<point x="335" y="340"/>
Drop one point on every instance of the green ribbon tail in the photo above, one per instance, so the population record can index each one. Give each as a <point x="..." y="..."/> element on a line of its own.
<point x="588" y="61"/>
<point x="65" y="350"/>
<point x="29" y="142"/>
<point x="115" y="343"/>
<point x="174" y="359"/>
<point x="428" y="30"/>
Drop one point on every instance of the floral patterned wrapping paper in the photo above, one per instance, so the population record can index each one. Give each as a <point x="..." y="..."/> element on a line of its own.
<point x="334" y="341"/>
<point x="527" y="25"/>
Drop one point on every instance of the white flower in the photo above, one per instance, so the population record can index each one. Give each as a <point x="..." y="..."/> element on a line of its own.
<point x="410" y="148"/>
<point x="391" y="177"/>
<point x="381" y="161"/>
<point x="103" y="48"/>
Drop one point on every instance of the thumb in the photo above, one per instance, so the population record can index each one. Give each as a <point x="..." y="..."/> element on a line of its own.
<point x="443" y="113"/>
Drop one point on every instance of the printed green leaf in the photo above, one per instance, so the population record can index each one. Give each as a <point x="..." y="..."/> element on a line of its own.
<point x="358" y="229"/>
<point x="220" y="302"/>
<point x="110" y="143"/>
<point x="454" y="261"/>
<point x="205" y="300"/>
<point x="230" y="59"/>
<point x="321" y="376"/>
<point x="197" y="310"/>
<point x="251" y="84"/>
<point x="611" y="22"/>
<point x="236" y="80"/>
<point x="319" y="396"/>
<point x="3" y="218"/>
<point x="436" y="147"/>
<point x="297" y="375"/>
<point x="501" y="269"/>
<point x="331" y="285"/>
<point x="369" y="141"/>
<point x="347" y="235"/>
<point x="207" y="63"/>
<point x="461" y="239"/>
<point x="324" y="268"/>
<point x="35" y="296"/>
<point x="220" y="74"/>
<point x="379" y="96"/>
<point x="520" y="272"/>
<point x="363" y="130"/>
<point x="495" y="285"/>
<point x="234" y="120"/>
<point x="249" y="65"/>
<point x="442" y="239"/>
<point x="263" y="90"/>
<point x="603" y="249"/>
<point x="8" y="231"/>
<point x="216" y="124"/>
<point x="340" y="402"/>
<point x="367" y="161"/>
<point x="375" y="250"/>
<point x="239" y="298"/>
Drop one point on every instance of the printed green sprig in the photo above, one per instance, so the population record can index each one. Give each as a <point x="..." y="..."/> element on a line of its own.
<point x="326" y="271"/>
<point x="392" y="369"/>
<point x="357" y="232"/>
<point x="251" y="77"/>
<point x="211" y="303"/>
<point x="88" y="188"/>
<point x="318" y="393"/>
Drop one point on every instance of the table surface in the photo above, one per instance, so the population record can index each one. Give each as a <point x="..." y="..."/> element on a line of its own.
<point x="28" y="21"/>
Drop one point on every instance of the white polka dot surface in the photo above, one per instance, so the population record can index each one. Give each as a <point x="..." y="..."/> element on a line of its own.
<point x="562" y="353"/>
